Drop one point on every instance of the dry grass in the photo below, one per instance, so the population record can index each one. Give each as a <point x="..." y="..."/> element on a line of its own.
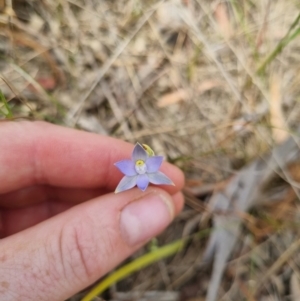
<point x="181" y="76"/>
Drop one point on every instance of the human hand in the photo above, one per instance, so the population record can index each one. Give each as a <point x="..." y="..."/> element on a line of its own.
<point x="61" y="226"/>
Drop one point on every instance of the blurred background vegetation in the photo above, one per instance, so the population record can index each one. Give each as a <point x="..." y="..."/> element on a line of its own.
<point x="211" y="85"/>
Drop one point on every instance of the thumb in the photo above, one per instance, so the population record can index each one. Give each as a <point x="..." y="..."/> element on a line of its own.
<point x="60" y="256"/>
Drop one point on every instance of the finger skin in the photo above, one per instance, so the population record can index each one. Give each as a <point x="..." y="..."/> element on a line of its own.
<point x="45" y="170"/>
<point x="40" y="153"/>
<point x="31" y="205"/>
<point x="60" y="256"/>
<point x="18" y="219"/>
<point x="42" y="193"/>
<point x="28" y="206"/>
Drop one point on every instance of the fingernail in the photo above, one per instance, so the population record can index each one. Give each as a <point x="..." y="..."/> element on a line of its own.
<point x="145" y="218"/>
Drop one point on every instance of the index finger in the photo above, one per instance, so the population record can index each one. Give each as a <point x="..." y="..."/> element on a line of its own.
<point x="40" y="153"/>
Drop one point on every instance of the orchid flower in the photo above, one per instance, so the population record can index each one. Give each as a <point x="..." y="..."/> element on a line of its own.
<point x="141" y="170"/>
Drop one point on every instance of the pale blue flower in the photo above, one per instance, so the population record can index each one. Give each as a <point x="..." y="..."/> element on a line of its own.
<point x="141" y="170"/>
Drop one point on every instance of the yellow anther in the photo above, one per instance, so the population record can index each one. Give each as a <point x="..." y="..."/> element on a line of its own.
<point x="139" y="163"/>
<point x="148" y="149"/>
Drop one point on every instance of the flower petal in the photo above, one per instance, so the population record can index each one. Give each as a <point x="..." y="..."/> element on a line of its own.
<point x="126" y="183"/>
<point x="142" y="182"/>
<point x="139" y="153"/>
<point x="153" y="163"/>
<point x="159" y="178"/>
<point x="126" y="167"/>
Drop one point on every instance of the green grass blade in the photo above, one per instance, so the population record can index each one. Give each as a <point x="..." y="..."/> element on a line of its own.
<point x="2" y="113"/>
<point x="134" y="266"/>
<point x="3" y="100"/>
<point x="294" y="35"/>
<point x="294" y="24"/>
<point x="281" y="45"/>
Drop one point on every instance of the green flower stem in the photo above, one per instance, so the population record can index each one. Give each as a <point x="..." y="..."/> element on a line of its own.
<point x="141" y="262"/>
<point x="134" y="266"/>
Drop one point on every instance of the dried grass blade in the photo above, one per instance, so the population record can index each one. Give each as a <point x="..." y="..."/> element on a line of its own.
<point x="279" y="129"/>
<point x="107" y="66"/>
<point x="172" y="98"/>
<point x="278" y="263"/>
<point x="222" y="18"/>
<point x="237" y="197"/>
<point x="295" y="286"/>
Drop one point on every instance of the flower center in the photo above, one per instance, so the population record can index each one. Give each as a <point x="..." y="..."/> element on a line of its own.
<point x="140" y="167"/>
